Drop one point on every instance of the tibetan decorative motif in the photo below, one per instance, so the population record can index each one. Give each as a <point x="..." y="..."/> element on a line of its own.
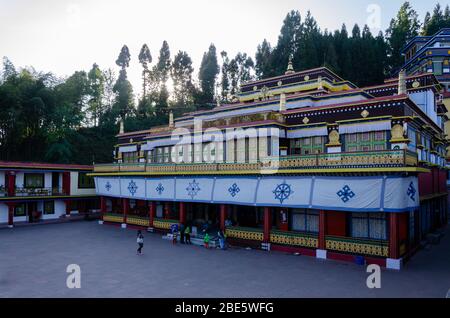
<point x="163" y="224"/>
<point x="374" y="248"/>
<point x="397" y="132"/>
<point x="294" y="239"/>
<point x="364" y="113"/>
<point x="245" y="233"/>
<point x="138" y="221"/>
<point x="415" y="84"/>
<point x="306" y="78"/>
<point x="333" y="138"/>
<point x="305" y="120"/>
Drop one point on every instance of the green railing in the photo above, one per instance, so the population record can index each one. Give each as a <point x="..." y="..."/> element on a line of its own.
<point x="294" y="238"/>
<point x="244" y="233"/>
<point x="384" y="158"/>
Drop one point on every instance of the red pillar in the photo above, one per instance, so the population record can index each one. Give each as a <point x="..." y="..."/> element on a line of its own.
<point x="151" y="213"/>
<point x="68" y="204"/>
<point x="11" y="183"/>
<point x="223" y="211"/>
<point x="267" y="224"/>
<point x="126" y="209"/>
<point x="66" y="183"/>
<point x="322" y="229"/>
<point x="182" y="213"/>
<point x="393" y="236"/>
<point x="11" y="214"/>
<point x="102" y="206"/>
<point x="166" y="210"/>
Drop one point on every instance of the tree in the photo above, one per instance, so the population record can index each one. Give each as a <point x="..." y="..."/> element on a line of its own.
<point x="145" y="58"/>
<point x="181" y="73"/>
<point x="402" y="28"/>
<point x="96" y="92"/>
<point x="124" y="58"/>
<point x="225" y="81"/>
<point x="160" y="74"/>
<point x="209" y="69"/>
<point x="263" y="58"/>
<point x="288" y="42"/>
<point x="437" y="21"/>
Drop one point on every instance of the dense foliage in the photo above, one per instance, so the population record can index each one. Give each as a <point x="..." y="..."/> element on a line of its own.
<point x="75" y="120"/>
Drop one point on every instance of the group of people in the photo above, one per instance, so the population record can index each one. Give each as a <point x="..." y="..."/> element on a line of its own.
<point x="185" y="237"/>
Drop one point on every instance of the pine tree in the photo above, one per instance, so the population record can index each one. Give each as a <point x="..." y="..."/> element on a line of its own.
<point x="181" y="74"/>
<point x="264" y="67"/>
<point x="402" y="28"/>
<point x="145" y="58"/>
<point x="209" y="69"/>
<point x="124" y="101"/>
<point x="96" y="91"/>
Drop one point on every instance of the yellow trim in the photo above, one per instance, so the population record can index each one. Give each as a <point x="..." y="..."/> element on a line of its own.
<point x="405" y="140"/>
<point x="43" y="197"/>
<point x="263" y="172"/>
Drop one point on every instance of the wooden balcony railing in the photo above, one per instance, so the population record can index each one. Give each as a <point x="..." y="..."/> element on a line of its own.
<point x="294" y="239"/>
<point x="384" y="158"/>
<point x="244" y="233"/>
<point x="358" y="246"/>
<point x="35" y="192"/>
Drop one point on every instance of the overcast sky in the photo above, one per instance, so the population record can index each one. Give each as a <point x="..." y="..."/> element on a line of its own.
<point x="63" y="36"/>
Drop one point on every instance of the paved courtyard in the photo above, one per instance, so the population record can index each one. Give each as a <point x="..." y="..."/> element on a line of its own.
<point x="33" y="263"/>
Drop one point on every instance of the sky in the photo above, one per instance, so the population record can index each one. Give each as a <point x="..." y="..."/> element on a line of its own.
<point x="63" y="36"/>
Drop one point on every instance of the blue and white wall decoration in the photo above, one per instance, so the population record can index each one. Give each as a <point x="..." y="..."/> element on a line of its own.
<point x="353" y="194"/>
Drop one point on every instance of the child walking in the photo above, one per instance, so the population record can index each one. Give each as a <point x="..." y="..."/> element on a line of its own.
<point x="140" y="241"/>
<point x="206" y="240"/>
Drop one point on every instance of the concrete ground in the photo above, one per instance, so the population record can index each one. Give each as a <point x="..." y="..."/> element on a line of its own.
<point x="33" y="262"/>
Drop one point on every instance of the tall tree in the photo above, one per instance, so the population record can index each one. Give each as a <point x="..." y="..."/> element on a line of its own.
<point x="209" y="69"/>
<point x="183" y="87"/>
<point x="159" y="77"/>
<point x="263" y="58"/>
<point x="436" y="21"/>
<point x="96" y="92"/>
<point x="124" y="101"/>
<point x="402" y="28"/>
<point x="145" y="58"/>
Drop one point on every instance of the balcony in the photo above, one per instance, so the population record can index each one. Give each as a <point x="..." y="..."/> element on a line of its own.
<point x="369" y="159"/>
<point x="34" y="192"/>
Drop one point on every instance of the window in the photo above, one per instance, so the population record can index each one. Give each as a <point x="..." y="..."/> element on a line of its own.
<point x="34" y="180"/>
<point x="366" y="141"/>
<point x="84" y="181"/>
<point x="368" y="225"/>
<point x="49" y="207"/>
<point x="308" y="145"/>
<point x="305" y="220"/>
<point x="19" y="210"/>
<point x="130" y="157"/>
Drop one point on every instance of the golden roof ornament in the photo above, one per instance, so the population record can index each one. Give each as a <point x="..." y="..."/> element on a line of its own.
<point x="290" y="68"/>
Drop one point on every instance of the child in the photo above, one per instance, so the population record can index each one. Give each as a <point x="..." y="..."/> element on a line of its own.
<point x="187" y="235"/>
<point x="174" y="230"/>
<point x="140" y="241"/>
<point x="206" y="240"/>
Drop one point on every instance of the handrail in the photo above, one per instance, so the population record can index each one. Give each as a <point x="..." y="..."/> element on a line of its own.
<point x="390" y="158"/>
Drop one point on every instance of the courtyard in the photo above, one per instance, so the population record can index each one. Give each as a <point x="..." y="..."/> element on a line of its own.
<point x="33" y="262"/>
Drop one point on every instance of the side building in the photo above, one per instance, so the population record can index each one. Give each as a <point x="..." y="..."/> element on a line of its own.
<point x="304" y="162"/>
<point x="35" y="192"/>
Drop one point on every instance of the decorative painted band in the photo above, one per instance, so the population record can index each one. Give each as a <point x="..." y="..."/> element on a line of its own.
<point x="364" y="247"/>
<point x="164" y="224"/>
<point x="294" y="239"/>
<point x="245" y="233"/>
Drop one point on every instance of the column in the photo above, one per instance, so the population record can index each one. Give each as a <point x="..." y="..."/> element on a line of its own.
<point x="393" y="262"/>
<point x="66" y="183"/>
<point x="166" y="210"/>
<point x="11" y="183"/>
<point x="102" y="209"/>
<point x="11" y="214"/>
<point x="267" y="225"/>
<point x="125" y="208"/>
<point x="182" y="213"/>
<point x="223" y="211"/>
<point x="68" y="204"/>
<point x="321" y="252"/>
<point x="151" y="213"/>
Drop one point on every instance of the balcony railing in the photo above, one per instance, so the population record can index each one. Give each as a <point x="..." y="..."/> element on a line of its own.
<point x="383" y="158"/>
<point x="35" y="192"/>
<point x="358" y="246"/>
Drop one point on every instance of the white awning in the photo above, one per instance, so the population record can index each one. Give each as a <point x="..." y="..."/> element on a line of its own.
<point x="307" y="132"/>
<point x="128" y="148"/>
<point x="365" y="127"/>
